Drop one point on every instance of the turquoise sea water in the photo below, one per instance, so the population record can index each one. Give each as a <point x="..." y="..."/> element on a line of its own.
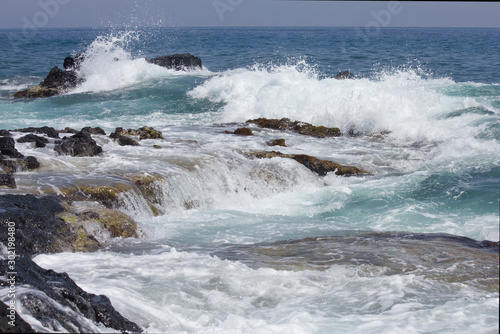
<point x="424" y="113"/>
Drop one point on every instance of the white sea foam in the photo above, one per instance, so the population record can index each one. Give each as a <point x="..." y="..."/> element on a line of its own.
<point x="173" y="291"/>
<point x="110" y="66"/>
<point x="401" y="101"/>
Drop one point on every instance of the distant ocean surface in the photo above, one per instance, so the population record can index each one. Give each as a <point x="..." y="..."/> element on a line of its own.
<point x="422" y="115"/>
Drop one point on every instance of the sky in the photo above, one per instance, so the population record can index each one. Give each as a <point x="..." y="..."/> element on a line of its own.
<point x="29" y="14"/>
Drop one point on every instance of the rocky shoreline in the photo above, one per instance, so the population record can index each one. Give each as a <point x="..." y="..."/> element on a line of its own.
<point x="49" y="223"/>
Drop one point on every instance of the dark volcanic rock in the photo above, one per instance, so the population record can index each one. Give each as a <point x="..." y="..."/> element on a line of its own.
<point x="7" y="180"/>
<point x="177" y="62"/>
<point x="94" y="131"/>
<point x="30" y="163"/>
<point x="31" y="138"/>
<point x="56" y="82"/>
<point x="59" y="79"/>
<point x="296" y="126"/>
<point x="8" y="148"/>
<point x="79" y="145"/>
<point x="126" y="141"/>
<point x="61" y="289"/>
<point x="344" y="75"/>
<point x="37" y="228"/>
<point x="318" y="166"/>
<point x="5" y="133"/>
<point x="49" y="131"/>
<point x="11" y="322"/>
<point x="74" y="63"/>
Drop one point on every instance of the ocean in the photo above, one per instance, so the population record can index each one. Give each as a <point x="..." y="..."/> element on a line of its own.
<point x="236" y="244"/>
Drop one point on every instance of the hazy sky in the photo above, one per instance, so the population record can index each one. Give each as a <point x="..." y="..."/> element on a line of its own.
<point x="177" y="13"/>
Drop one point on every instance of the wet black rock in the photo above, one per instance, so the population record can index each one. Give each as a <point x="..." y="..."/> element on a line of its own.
<point x="126" y="141"/>
<point x="94" y="131"/>
<point x="8" y="148"/>
<point x="56" y="82"/>
<point x="74" y="63"/>
<point x="5" y="133"/>
<point x="7" y="180"/>
<point x="177" y="62"/>
<point x="55" y="300"/>
<point x="49" y="131"/>
<point x="11" y="322"/>
<point x="38" y="230"/>
<point x="31" y="138"/>
<point x="344" y="75"/>
<point x="79" y="145"/>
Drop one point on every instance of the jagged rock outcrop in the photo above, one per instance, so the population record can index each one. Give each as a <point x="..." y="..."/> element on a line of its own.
<point x="318" y="166"/>
<point x="178" y="62"/>
<point x="11" y="160"/>
<point x="56" y="82"/>
<point x="297" y="126"/>
<point x="74" y="63"/>
<point x="47" y="292"/>
<point x="80" y="144"/>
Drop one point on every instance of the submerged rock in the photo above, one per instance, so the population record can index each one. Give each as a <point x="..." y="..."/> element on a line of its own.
<point x="241" y="132"/>
<point x="318" y="166"/>
<point x="443" y="257"/>
<point x="58" y="303"/>
<point x="296" y="126"/>
<point x="276" y="142"/>
<point x="178" y="62"/>
<point x="79" y="145"/>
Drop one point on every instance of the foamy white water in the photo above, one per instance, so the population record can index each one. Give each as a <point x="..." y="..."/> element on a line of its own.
<point x="176" y="292"/>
